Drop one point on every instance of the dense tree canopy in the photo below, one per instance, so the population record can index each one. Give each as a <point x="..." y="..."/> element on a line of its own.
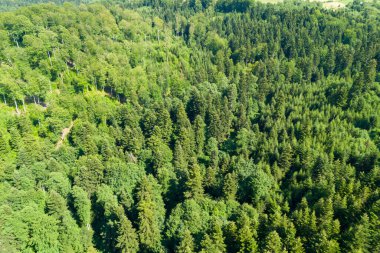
<point x="189" y="126"/>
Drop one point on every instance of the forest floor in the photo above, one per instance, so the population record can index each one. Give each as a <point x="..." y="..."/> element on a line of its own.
<point x="65" y="132"/>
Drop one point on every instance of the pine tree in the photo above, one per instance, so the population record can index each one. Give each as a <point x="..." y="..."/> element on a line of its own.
<point x="133" y="139"/>
<point x="217" y="237"/>
<point x="15" y="139"/>
<point x="82" y="206"/>
<point x="199" y="134"/>
<point x="214" y="124"/>
<point x="196" y="105"/>
<point x="244" y="140"/>
<point x="207" y="245"/>
<point x="246" y="239"/>
<point x="230" y="186"/>
<point x="214" y="241"/>
<point x="91" y="173"/>
<point x="320" y="168"/>
<point x="185" y="137"/>
<point x="181" y="118"/>
<point x="127" y="239"/>
<point x="151" y="214"/>
<point x="231" y="237"/>
<point x="161" y="153"/>
<point x="194" y="188"/>
<point x="292" y="243"/>
<point x="273" y="243"/>
<point x="148" y="123"/>
<point x="370" y="71"/>
<point x="186" y="244"/>
<point x="286" y="158"/>
<point x="327" y="222"/>
<point x="164" y="122"/>
<point x="3" y="145"/>
<point x="212" y="151"/>
<point x="226" y="119"/>
<point x="105" y="218"/>
<point x="323" y="244"/>
<point x="179" y="161"/>
<point x="55" y="205"/>
<point x="360" y="236"/>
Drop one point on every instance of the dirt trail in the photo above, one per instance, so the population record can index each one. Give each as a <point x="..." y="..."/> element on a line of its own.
<point x="65" y="132"/>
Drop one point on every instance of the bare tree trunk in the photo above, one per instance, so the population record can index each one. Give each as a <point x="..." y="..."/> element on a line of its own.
<point x="34" y="98"/>
<point x="18" y="112"/>
<point x="23" y="104"/>
<point x="51" y="64"/>
<point x="16" y="42"/>
<point x="5" y="100"/>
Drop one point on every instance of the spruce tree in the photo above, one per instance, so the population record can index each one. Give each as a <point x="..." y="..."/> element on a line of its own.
<point x="199" y="134"/>
<point x="230" y="186"/>
<point x="3" y="145"/>
<point x="127" y="239"/>
<point x="273" y="243"/>
<point x="186" y="244"/>
<point x="150" y="215"/>
<point x="246" y="236"/>
<point x="194" y="188"/>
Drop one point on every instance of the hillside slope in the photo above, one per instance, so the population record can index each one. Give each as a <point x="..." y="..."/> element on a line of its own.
<point x="189" y="127"/>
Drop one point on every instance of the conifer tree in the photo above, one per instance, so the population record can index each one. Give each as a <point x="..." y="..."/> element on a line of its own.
<point x="150" y="215"/>
<point x="214" y="241"/>
<point x="3" y="145"/>
<point x="194" y="188"/>
<point x="90" y="174"/>
<point x="230" y="186"/>
<point x="186" y="244"/>
<point x="179" y="161"/>
<point x="127" y="240"/>
<point x="199" y="134"/>
<point x="82" y="206"/>
<point x="273" y="243"/>
<point x="15" y="139"/>
<point x="286" y="157"/>
<point x="361" y="236"/>
<point x="245" y="238"/>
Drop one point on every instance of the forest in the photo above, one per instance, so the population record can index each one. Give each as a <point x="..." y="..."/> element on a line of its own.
<point x="189" y="126"/>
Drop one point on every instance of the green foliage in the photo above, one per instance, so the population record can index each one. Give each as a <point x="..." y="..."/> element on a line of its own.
<point x="127" y="241"/>
<point x="194" y="181"/>
<point x="151" y="214"/>
<point x="189" y="126"/>
<point x="82" y="206"/>
<point x="186" y="244"/>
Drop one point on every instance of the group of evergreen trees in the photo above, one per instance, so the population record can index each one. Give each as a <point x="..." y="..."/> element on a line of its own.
<point x="200" y="126"/>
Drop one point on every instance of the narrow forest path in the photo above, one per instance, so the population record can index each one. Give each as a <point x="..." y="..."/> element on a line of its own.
<point x="65" y="132"/>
